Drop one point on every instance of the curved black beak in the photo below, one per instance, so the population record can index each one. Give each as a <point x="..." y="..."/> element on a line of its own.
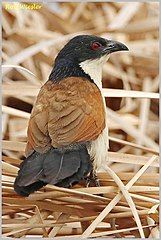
<point x="114" y="46"/>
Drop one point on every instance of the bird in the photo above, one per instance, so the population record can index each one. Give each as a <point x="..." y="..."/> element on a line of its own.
<point x="67" y="136"/>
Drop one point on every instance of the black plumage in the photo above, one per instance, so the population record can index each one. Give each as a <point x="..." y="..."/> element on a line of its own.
<point x="58" y="167"/>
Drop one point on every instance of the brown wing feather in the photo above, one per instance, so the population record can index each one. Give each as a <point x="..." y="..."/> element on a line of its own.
<point x="65" y="113"/>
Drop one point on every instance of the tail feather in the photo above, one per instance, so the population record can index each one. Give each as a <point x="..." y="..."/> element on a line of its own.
<point x="30" y="169"/>
<point x="26" y="190"/>
<point x="60" y="168"/>
<point x="84" y="169"/>
<point x="60" y="165"/>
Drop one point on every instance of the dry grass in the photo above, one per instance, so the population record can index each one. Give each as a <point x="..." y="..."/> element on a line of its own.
<point x="126" y="204"/>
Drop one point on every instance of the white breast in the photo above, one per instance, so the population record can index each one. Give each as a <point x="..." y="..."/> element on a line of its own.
<point x="99" y="147"/>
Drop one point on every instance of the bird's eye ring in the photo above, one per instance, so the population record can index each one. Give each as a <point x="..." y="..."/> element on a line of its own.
<point x="95" y="45"/>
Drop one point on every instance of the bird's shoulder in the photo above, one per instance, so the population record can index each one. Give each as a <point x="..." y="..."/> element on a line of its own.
<point x="72" y="90"/>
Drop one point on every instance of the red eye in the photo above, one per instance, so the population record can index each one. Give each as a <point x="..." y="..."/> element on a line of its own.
<point x="95" y="45"/>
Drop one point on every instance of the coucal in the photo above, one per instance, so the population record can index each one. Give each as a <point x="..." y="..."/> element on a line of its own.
<point x="67" y="131"/>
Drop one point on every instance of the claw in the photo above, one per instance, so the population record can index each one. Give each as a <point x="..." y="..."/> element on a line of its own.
<point x="97" y="182"/>
<point x="92" y="178"/>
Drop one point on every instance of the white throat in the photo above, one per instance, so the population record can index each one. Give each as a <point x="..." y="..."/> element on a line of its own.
<point x="94" y="69"/>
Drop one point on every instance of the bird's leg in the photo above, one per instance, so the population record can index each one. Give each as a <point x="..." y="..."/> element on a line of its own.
<point x="95" y="178"/>
<point x="88" y="180"/>
<point x="92" y="178"/>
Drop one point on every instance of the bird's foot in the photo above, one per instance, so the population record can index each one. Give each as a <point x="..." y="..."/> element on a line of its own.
<point x="92" y="178"/>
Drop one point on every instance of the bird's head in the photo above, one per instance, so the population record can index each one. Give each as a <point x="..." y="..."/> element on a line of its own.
<point x="89" y="47"/>
<point x="84" y="55"/>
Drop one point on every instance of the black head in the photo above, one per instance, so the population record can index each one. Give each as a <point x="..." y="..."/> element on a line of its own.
<point x="86" y="47"/>
<point x="78" y="50"/>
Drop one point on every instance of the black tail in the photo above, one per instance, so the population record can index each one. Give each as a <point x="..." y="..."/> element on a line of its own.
<point x="57" y="167"/>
